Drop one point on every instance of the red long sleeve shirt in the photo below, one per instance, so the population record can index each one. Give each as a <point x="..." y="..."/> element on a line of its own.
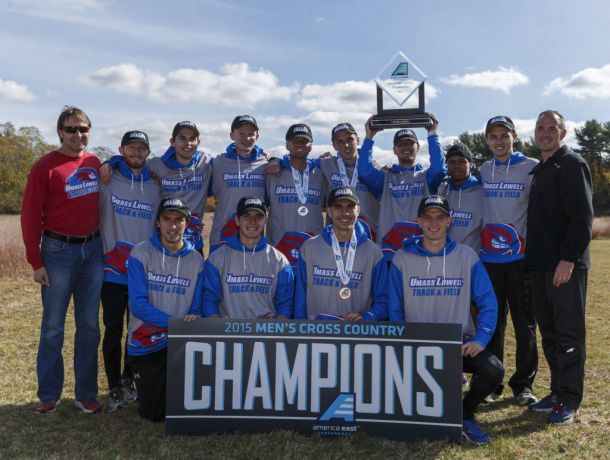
<point x="61" y="195"/>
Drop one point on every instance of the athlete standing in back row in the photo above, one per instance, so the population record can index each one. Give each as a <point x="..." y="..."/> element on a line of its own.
<point x="506" y="184"/>
<point x="402" y="187"/>
<point x="296" y="197"/>
<point x="341" y="171"/>
<point x="240" y="171"/>
<point x="128" y="206"/>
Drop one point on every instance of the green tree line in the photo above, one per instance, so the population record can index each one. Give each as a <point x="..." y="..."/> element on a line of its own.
<point x="20" y="148"/>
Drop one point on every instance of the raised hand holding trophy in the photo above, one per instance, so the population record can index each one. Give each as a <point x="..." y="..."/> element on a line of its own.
<point x="399" y="80"/>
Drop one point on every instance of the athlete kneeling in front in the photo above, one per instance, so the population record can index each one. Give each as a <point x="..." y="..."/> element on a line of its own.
<point x="432" y="280"/>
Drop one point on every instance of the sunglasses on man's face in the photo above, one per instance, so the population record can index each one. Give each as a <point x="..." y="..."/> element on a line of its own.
<point x="74" y="129"/>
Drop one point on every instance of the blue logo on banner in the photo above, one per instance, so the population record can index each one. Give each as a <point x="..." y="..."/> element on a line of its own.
<point x="342" y="408"/>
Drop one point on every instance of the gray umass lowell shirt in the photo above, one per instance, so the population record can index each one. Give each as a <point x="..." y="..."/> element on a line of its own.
<point x="369" y="205"/>
<point x="286" y="229"/>
<point x="234" y="177"/>
<point x="318" y="285"/>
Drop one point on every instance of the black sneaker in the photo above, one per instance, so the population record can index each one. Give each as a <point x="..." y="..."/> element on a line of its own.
<point x="130" y="392"/>
<point x="545" y="404"/>
<point x="116" y="400"/>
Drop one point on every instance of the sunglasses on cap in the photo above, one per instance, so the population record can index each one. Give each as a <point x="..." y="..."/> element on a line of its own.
<point x="74" y="129"/>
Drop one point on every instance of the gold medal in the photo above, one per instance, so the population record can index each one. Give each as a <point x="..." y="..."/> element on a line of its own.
<point x="345" y="293"/>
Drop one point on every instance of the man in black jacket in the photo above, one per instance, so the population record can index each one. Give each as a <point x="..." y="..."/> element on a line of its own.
<point x="559" y="221"/>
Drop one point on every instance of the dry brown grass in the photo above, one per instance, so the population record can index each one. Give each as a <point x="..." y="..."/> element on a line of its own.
<point x="70" y="434"/>
<point x="12" y="252"/>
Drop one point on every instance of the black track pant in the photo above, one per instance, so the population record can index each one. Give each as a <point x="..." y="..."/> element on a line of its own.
<point x="512" y="291"/>
<point x="115" y="310"/>
<point x="560" y="312"/>
<point x="487" y="373"/>
<point x="149" y="375"/>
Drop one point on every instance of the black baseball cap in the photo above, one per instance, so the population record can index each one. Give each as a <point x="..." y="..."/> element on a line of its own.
<point x="405" y="134"/>
<point x="251" y="203"/>
<point x="174" y="204"/>
<point x="433" y="201"/>
<point x="500" y="120"/>
<point x="342" y="127"/>
<point x="342" y="193"/>
<point x="134" y="136"/>
<point x="299" y="130"/>
<point x="459" y="149"/>
<point x="184" y="124"/>
<point x="241" y="120"/>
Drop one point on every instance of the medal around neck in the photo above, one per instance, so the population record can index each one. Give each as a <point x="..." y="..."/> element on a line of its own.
<point x="302" y="211"/>
<point x="399" y="80"/>
<point x="345" y="293"/>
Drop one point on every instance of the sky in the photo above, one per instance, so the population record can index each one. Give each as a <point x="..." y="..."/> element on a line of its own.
<point x="149" y="64"/>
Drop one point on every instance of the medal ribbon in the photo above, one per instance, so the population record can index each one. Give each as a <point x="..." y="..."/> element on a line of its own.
<point x="301" y="186"/>
<point x="344" y="271"/>
<point x="344" y="176"/>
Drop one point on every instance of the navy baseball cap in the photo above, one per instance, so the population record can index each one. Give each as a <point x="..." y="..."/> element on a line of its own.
<point x="405" y="134"/>
<point x="134" y="136"/>
<point x="299" y="130"/>
<point x="433" y="201"/>
<point x="174" y="204"/>
<point x="342" y="127"/>
<point x="342" y="193"/>
<point x="459" y="149"/>
<point x="241" y="120"/>
<point x="500" y="120"/>
<point x="184" y="124"/>
<point x="251" y="203"/>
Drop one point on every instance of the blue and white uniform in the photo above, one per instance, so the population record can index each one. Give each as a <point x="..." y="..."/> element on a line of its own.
<point x="286" y="228"/>
<point x="234" y="177"/>
<point x="162" y="285"/>
<point x="318" y="284"/>
<point x="466" y="203"/>
<point x="400" y="191"/>
<point x="247" y="283"/>
<point x="128" y="208"/>
<point x="437" y="288"/>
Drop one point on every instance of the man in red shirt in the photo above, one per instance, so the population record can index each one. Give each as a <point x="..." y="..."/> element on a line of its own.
<point x="59" y="223"/>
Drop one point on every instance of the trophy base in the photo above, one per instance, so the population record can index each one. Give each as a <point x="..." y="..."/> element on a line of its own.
<point x="395" y="122"/>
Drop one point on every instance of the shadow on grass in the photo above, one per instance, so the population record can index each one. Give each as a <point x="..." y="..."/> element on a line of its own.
<point x="512" y="421"/>
<point x="123" y="434"/>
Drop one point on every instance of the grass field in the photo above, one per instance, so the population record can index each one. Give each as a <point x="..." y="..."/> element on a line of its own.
<point x="71" y="434"/>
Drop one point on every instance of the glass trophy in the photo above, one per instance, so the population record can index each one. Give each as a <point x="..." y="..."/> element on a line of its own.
<point x="399" y="80"/>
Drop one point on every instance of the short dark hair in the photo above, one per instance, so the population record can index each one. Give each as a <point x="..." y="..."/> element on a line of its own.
<point x="67" y="112"/>
<point x="561" y="121"/>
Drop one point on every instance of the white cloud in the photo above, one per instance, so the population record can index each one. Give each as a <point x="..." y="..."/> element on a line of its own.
<point x="345" y="95"/>
<point x="503" y="79"/>
<point x="352" y="96"/>
<point x="125" y="78"/>
<point x="13" y="91"/>
<point x="590" y="82"/>
<point x="236" y="84"/>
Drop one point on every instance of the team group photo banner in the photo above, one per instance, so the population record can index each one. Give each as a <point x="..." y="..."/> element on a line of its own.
<point x="332" y="378"/>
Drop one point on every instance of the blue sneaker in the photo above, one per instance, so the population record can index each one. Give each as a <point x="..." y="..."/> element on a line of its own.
<point x="472" y="432"/>
<point x="546" y="404"/>
<point x="561" y="414"/>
